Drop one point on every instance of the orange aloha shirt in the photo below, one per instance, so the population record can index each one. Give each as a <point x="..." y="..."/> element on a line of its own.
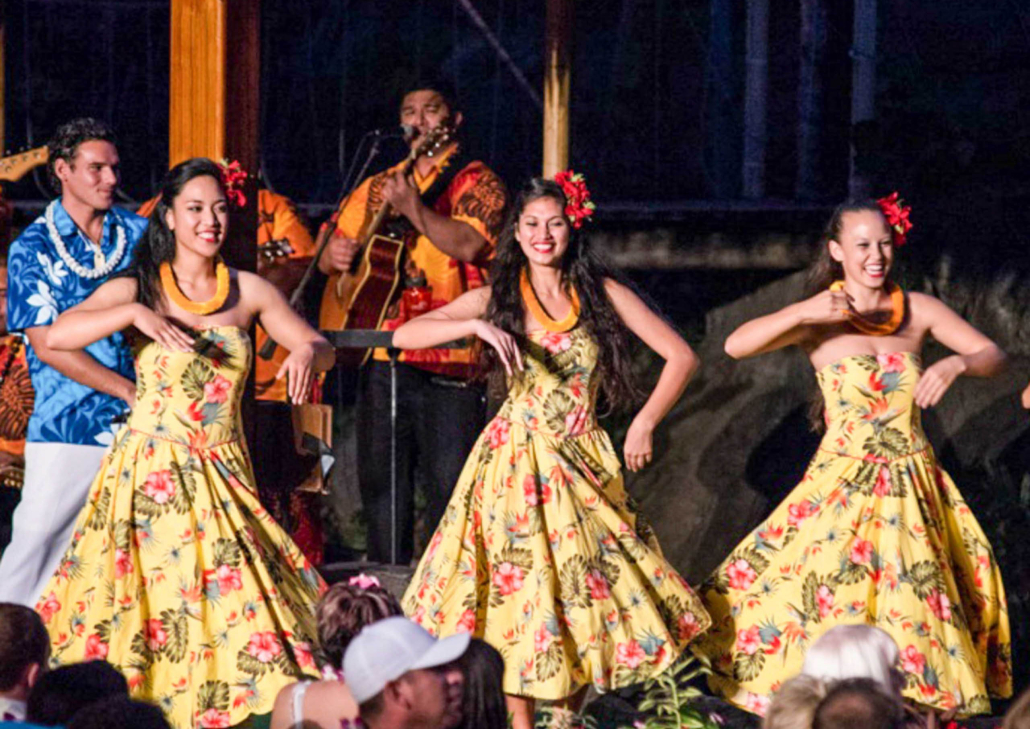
<point x="475" y="196"/>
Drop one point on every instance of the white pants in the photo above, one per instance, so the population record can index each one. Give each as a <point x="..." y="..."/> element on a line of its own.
<point x="57" y="481"/>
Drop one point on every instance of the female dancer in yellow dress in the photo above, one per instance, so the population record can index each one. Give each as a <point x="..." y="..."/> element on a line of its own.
<point x="540" y="551"/>
<point x="176" y="574"/>
<point x="876" y="532"/>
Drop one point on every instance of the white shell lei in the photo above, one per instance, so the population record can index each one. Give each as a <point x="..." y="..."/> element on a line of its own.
<point x="83" y="272"/>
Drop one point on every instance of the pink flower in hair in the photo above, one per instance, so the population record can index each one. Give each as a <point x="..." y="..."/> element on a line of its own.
<point x="363" y="581"/>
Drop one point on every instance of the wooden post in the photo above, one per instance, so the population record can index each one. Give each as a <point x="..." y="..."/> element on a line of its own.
<point x="3" y="84"/>
<point x="755" y="92"/>
<point x="863" y="83"/>
<point x="557" y="85"/>
<point x="214" y="86"/>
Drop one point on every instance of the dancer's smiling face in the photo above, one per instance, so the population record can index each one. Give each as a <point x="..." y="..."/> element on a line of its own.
<point x="543" y="232"/>
<point x="864" y="248"/>
<point x="199" y="216"/>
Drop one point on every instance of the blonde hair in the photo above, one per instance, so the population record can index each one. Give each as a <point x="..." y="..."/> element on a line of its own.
<point x="854" y="651"/>
<point x="794" y="705"/>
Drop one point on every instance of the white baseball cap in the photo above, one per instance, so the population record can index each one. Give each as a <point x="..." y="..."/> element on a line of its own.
<point x="387" y="649"/>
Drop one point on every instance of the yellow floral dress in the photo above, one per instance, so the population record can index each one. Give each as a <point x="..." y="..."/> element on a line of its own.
<point x="875" y="533"/>
<point x="540" y="551"/>
<point x="176" y="575"/>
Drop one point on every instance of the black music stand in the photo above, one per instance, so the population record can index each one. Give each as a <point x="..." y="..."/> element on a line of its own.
<point x="375" y="339"/>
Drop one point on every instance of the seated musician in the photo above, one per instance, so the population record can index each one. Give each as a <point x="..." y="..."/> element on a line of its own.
<point x="450" y="209"/>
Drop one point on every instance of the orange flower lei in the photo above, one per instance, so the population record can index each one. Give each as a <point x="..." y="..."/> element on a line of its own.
<point x="200" y="308"/>
<point x="537" y="309"/>
<point x="888" y="327"/>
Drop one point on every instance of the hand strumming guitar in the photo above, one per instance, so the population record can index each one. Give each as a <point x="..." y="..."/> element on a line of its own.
<point x="338" y="255"/>
<point x="403" y="196"/>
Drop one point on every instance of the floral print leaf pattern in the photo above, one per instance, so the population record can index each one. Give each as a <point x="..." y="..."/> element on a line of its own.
<point x="875" y="533"/>
<point x="542" y="553"/>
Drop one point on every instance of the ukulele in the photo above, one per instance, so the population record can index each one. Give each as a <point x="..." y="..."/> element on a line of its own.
<point x="14" y="166"/>
<point x="359" y="298"/>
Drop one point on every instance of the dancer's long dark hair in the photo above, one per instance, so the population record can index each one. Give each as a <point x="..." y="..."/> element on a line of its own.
<point x="158" y="242"/>
<point x="580" y="267"/>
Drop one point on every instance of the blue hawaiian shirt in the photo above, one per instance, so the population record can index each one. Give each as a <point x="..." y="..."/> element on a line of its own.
<point x="39" y="287"/>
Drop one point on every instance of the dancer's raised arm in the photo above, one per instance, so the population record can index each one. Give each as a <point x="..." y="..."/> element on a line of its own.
<point x="787" y="326"/>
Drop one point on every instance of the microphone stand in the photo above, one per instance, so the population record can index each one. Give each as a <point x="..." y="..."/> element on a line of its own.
<point x="326" y="230"/>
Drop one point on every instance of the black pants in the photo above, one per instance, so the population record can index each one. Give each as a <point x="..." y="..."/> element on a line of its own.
<point x="438" y="421"/>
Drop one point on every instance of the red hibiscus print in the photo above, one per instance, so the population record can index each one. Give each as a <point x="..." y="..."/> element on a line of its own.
<point x="508" y="578"/>
<point x="156" y="634"/>
<point x="556" y="342"/>
<point x="304" y="656"/>
<point x="214" y="719"/>
<point x="797" y="513"/>
<point x="741" y="574"/>
<point x="48" y="607"/>
<point x="598" y="585"/>
<point x="749" y="641"/>
<point x="891" y="362"/>
<point x="862" y="551"/>
<point x="542" y="639"/>
<point x="229" y="579"/>
<point x="535" y="492"/>
<point x="467" y="623"/>
<point x="159" y="486"/>
<point x="912" y="661"/>
<point x="757" y="704"/>
<point x="497" y="432"/>
<point x="939" y="605"/>
<point x="883" y="482"/>
<point x="824" y="597"/>
<point x="122" y="563"/>
<point x="687" y="626"/>
<point x="96" y="649"/>
<point x="630" y="654"/>
<point x="217" y="391"/>
<point x="264" y="646"/>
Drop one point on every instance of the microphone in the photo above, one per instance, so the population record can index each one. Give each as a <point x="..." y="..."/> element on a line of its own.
<point x="405" y="131"/>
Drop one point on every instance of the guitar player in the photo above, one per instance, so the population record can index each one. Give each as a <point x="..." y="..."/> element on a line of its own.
<point x="450" y="210"/>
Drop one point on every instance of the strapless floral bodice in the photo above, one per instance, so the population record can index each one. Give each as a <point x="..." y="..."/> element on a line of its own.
<point x="870" y="407"/>
<point x="193" y="397"/>
<point x="557" y="386"/>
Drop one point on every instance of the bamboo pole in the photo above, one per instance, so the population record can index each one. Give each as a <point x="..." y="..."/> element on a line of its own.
<point x="557" y="86"/>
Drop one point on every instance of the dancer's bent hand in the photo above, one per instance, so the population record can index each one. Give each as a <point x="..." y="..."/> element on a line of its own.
<point x="937" y="379"/>
<point x="638" y="448"/>
<point x="826" y="307"/>
<point x="298" y="368"/>
<point x="161" y="330"/>
<point x="505" y="345"/>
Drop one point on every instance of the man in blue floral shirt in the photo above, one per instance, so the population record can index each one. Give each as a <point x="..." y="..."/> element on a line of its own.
<point x="57" y="262"/>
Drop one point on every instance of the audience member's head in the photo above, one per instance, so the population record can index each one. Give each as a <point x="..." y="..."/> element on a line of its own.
<point x="119" y="712"/>
<point x="24" y="650"/>
<point x="401" y="676"/>
<point x="347" y="608"/>
<point x="793" y="706"/>
<point x="60" y="693"/>
<point x="858" y="703"/>
<point x="483" y="705"/>
<point x="855" y="651"/>
<point x="1018" y="715"/>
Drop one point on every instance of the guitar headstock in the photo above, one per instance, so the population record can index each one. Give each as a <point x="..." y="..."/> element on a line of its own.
<point x="434" y="140"/>
<point x="15" y="166"/>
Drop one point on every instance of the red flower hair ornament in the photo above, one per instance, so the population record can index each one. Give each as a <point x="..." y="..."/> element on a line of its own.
<point x="234" y="177"/>
<point x="896" y="212"/>
<point x="578" y="206"/>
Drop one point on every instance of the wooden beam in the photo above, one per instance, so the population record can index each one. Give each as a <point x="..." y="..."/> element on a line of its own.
<point x="214" y="86"/>
<point x="557" y="85"/>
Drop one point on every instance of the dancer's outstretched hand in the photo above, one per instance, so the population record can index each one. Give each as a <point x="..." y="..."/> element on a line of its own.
<point x="638" y="448"/>
<point x="298" y="368"/>
<point x="505" y="345"/>
<point x="162" y="330"/>
<point x="936" y="380"/>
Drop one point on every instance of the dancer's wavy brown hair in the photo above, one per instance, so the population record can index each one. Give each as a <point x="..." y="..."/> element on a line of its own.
<point x="343" y="611"/>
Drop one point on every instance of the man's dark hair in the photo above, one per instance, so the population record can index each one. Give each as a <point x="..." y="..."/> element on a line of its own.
<point x="373" y="707"/>
<point x="440" y="86"/>
<point x="66" y="140"/>
<point x="858" y="703"/>
<point x="119" y="712"/>
<point x="59" y="694"/>
<point x="23" y="641"/>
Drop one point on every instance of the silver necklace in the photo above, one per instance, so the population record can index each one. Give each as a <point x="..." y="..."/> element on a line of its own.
<point x="102" y="266"/>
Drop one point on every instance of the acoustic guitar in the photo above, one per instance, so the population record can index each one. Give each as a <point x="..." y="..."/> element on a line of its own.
<point x="15" y="166"/>
<point x="359" y="298"/>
